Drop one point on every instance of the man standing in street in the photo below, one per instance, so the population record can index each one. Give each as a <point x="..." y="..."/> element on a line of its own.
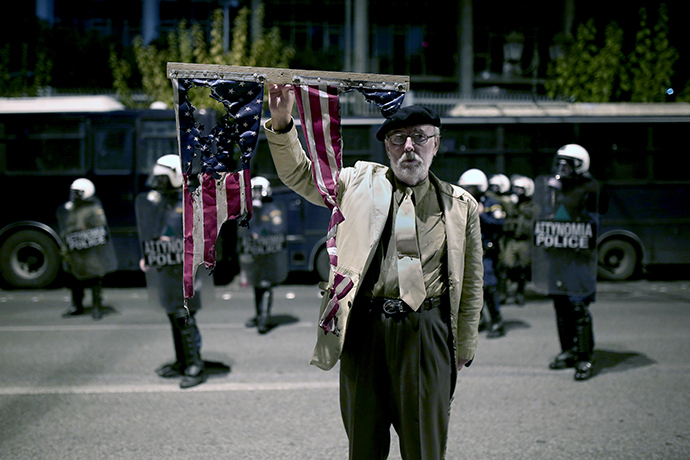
<point x="411" y="244"/>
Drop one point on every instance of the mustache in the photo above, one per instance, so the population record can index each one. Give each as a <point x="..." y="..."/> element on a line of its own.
<point x="409" y="155"/>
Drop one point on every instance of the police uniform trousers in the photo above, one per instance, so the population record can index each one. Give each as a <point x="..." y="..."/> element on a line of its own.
<point x="397" y="370"/>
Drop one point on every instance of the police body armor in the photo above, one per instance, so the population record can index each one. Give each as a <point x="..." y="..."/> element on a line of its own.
<point x="159" y="224"/>
<point x="262" y="246"/>
<point x="491" y="222"/>
<point x="88" y="250"/>
<point x="565" y="224"/>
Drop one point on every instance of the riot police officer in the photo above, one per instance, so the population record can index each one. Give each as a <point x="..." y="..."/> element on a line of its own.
<point x="159" y="223"/>
<point x="263" y="255"/>
<point x="499" y="187"/>
<point x="491" y="216"/>
<point x="565" y="259"/>
<point x="515" y="255"/>
<point x="499" y="190"/>
<point x="87" y="249"/>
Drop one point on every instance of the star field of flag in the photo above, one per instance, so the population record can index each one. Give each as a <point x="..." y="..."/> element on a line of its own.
<point x="243" y="103"/>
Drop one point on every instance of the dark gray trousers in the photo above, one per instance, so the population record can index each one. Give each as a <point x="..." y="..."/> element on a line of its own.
<point x="398" y="371"/>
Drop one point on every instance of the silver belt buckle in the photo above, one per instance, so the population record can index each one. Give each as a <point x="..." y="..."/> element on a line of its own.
<point x="393" y="306"/>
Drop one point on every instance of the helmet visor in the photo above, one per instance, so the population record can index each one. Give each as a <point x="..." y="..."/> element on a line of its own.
<point x="566" y="166"/>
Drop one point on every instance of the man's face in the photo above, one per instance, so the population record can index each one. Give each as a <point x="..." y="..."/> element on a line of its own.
<point x="410" y="161"/>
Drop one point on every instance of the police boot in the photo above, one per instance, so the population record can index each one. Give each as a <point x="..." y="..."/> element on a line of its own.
<point x="503" y="283"/>
<point x="258" y="295"/>
<point x="74" y="310"/>
<point x="520" y="290"/>
<point x="585" y="344"/>
<point x="77" y="307"/>
<point x="564" y="323"/>
<point x="496" y="329"/>
<point x="563" y="361"/>
<point x="251" y="322"/>
<point x="264" y="321"/>
<point x="97" y="294"/>
<point x="176" y="368"/>
<point x="194" y="372"/>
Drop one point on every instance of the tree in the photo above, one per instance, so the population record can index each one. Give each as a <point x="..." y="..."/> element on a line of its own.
<point x="25" y="67"/>
<point x="188" y="44"/>
<point x="588" y="73"/>
<point x="652" y="60"/>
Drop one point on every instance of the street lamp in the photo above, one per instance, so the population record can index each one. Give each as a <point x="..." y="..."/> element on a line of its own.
<point x="512" y="53"/>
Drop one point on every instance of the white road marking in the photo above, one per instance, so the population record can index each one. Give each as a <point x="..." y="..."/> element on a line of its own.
<point x="168" y="388"/>
<point x="129" y="327"/>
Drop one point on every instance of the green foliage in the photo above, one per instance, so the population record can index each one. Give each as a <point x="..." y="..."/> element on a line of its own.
<point x="121" y="72"/>
<point x="189" y="45"/>
<point x="30" y="72"/>
<point x="651" y="63"/>
<point x="589" y="73"/>
<point x="585" y="72"/>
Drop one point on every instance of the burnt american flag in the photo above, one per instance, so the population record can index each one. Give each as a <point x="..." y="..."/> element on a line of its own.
<point x="221" y="190"/>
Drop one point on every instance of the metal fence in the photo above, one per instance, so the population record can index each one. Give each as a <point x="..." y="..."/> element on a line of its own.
<point x="353" y="104"/>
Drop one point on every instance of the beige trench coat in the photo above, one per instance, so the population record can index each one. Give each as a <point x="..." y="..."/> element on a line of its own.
<point x="364" y="196"/>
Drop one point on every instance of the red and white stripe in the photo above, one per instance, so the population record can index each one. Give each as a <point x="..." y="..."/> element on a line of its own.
<point x="205" y="210"/>
<point x="319" y="111"/>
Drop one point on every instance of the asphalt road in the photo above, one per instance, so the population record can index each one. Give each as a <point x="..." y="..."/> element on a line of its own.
<point x="83" y="389"/>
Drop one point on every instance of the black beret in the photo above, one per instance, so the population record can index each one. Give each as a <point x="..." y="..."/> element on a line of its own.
<point x="408" y="116"/>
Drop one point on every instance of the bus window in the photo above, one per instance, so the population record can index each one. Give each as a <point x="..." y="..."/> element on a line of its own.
<point x="613" y="137"/>
<point x="450" y="166"/>
<point x="156" y="138"/>
<point x="358" y="144"/>
<point x="530" y="165"/>
<point x="667" y="147"/>
<point x="40" y="148"/>
<point x="549" y="137"/>
<point x="262" y="163"/>
<point x="619" y="166"/>
<point x="461" y="138"/>
<point x="113" y="149"/>
<point x="519" y="138"/>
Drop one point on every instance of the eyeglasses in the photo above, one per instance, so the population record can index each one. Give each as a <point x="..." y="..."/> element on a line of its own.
<point x="417" y="138"/>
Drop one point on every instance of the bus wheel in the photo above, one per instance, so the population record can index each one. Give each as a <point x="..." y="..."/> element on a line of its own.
<point x="617" y="260"/>
<point x="29" y="259"/>
<point x="323" y="265"/>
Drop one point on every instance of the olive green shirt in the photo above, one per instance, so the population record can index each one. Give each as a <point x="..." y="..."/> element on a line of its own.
<point x="382" y="276"/>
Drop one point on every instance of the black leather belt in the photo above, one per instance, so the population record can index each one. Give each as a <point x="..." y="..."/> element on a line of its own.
<point x="396" y="306"/>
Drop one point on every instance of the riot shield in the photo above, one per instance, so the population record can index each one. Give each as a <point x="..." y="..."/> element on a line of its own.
<point x="262" y="246"/>
<point x="159" y="225"/>
<point x="87" y="246"/>
<point x="564" y="226"/>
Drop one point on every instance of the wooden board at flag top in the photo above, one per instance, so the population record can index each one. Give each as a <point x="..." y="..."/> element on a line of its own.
<point x="272" y="75"/>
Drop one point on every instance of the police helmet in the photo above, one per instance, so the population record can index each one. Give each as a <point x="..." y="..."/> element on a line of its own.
<point x="524" y="183"/>
<point x="261" y="189"/>
<point x="169" y="166"/>
<point x="83" y="188"/>
<point x="571" y="157"/>
<point x="499" y="183"/>
<point x="474" y="177"/>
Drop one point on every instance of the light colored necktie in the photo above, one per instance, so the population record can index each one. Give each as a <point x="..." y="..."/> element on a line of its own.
<point x="410" y="276"/>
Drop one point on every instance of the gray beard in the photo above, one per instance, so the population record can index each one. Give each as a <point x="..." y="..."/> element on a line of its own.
<point x="411" y="175"/>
